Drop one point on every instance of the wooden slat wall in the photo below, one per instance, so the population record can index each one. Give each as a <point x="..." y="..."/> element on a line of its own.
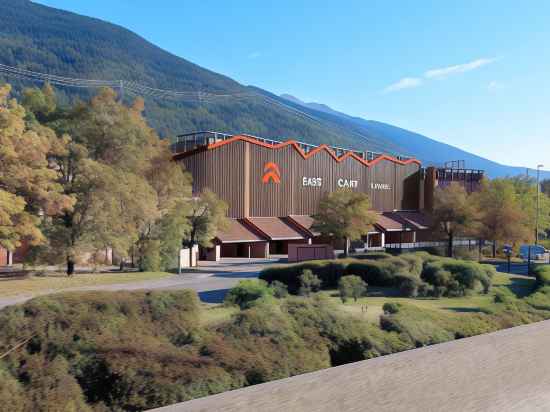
<point x="223" y="170"/>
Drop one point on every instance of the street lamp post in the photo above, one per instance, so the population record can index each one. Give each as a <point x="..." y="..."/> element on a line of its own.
<point x="538" y="205"/>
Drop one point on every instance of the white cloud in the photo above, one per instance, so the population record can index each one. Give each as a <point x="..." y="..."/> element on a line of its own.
<point x="404" y="83"/>
<point x="441" y="72"/>
<point x="254" y="55"/>
<point x="459" y="68"/>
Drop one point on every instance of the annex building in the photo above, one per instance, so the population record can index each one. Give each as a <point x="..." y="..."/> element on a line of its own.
<point x="273" y="189"/>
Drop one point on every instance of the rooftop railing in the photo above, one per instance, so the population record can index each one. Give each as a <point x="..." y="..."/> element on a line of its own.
<point x="191" y="141"/>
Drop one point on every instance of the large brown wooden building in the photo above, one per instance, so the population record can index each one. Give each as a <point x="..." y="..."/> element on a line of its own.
<point x="280" y="179"/>
<point x="273" y="188"/>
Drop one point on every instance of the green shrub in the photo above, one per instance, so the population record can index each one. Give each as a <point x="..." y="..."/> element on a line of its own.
<point x="454" y="277"/>
<point x="408" y="285"/>
<point x="504" y="295"/>
<point x="391" y="308"/>
<point x="540" y="299"/>
<point x="329" y="271"/>
<point x="150" y="260"/>
<point x="414" y="274"/>
<point x="415" y="263"/>
<point x="351" y="286"/>
<point x="247" y="292"/>
<point x="280" y="290"/>
<point x="542" y="273"/>
<point x="374" y="273"/>
<point x="309" y="283"/>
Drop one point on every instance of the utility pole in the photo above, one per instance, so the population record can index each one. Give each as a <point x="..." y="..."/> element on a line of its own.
<point x="538" y="205"/>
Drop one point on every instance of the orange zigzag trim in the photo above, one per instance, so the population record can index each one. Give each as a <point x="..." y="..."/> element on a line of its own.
<point x="318" y="149"/>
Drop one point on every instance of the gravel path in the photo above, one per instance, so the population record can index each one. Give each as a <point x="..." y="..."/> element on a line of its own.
<point x="211" y="280"/>
<point x="507" y="370"/>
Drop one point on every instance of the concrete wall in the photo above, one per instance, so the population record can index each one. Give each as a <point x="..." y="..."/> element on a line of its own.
<point x="185" y="260"/>
<point x="304" y="251"/>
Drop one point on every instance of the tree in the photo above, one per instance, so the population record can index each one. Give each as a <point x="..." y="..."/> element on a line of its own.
<point x="454" y="213"/>
<point x="206" y="215"/>
<point x="309" y="283"/>
<point x="28" y="187"/>
<point x="501" y="216"/>
<point x="163" y="233"/>
<point x="110" y="169"/>
<point x="526" y="190"/>
<point x="545" y="187"/>
<point x="351" y="286"/>
<point x="344" y="214"/>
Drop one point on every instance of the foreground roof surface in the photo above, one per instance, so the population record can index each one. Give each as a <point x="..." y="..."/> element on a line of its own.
<point x="507" y="370"/>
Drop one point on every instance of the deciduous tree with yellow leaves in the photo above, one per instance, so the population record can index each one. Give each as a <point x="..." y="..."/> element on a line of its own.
<point x="29" y="187"/>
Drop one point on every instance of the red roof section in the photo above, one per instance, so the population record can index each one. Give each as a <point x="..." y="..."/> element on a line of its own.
<point x="304" y="222"/>
<point x="275" y="228"/>
<point x="417" y="220"/>
<point x="237" y="232"/>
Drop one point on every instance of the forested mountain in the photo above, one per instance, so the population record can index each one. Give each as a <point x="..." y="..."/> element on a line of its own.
<point x="429" y="151"/>
<point x="56" y="42"/>
<point x="47" y="40"/>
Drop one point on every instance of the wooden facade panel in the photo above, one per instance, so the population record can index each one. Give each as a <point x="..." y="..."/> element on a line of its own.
<point x="222" y="171"/>
<point x="238" y="178"/>
<point x="383" y="185"/>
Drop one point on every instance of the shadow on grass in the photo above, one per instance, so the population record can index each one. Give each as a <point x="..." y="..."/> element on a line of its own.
<point x="463" y="310"/>
<point x="213" y="296"/>
<point x="378" y="291"/>
<point x="521" y="287"/>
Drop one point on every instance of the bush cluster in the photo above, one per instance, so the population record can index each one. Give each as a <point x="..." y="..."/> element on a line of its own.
<point x="129" y="351"/>
<point x="452" y="277"/>
<point x="542" y="273"/>
<point x="414" y="274"/>
<point x="247" y="292"/>
<point x="329" y="271"/>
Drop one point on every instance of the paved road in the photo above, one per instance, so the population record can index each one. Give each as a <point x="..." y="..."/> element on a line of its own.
<point x="507" y="370"/>
<point x="211" y="280"/>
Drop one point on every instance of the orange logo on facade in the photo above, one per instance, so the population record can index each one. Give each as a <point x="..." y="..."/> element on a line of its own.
<point x="271" y="172"/>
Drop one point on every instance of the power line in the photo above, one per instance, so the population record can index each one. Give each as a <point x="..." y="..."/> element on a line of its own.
<point x="199" y="97"/>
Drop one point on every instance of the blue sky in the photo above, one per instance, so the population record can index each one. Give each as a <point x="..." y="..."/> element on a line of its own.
<point x="473" y="74"/>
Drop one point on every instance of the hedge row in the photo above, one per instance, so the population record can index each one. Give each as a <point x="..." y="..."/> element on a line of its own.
<point x="412" y="273"/>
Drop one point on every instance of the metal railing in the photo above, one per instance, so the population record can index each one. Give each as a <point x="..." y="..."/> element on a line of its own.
<point x="419" y="245"/>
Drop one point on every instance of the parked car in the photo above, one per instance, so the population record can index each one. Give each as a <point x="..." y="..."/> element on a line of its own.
<point x="537" y="251"/>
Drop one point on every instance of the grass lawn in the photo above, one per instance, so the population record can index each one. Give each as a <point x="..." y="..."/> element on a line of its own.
<point x="216" y="314"/>
<point x="376" y="297"/>
<point x="53" y="283"/>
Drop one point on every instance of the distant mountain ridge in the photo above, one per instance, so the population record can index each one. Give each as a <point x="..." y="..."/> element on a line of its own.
<point x="429" y="151"/>
<point x="44" y="39"/>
